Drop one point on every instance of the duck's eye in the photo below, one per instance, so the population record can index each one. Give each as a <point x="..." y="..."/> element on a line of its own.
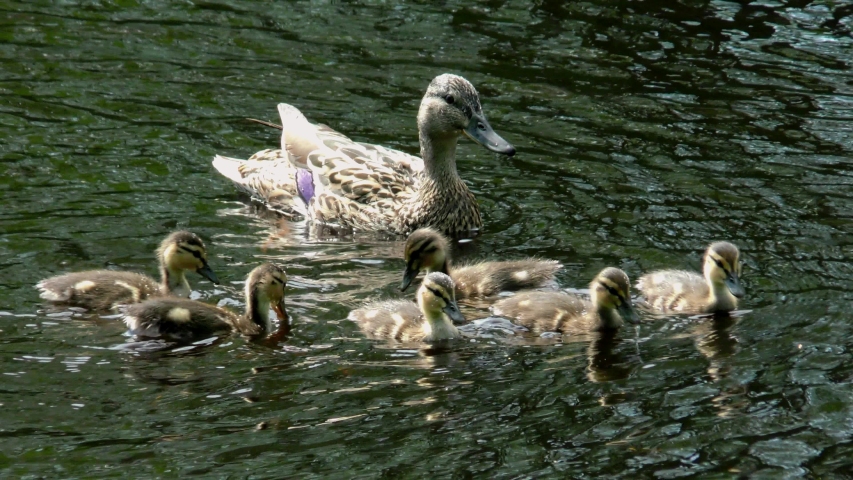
<point x="719" y="263"/>
<point x="612" y="291"/>
<point x="449" y="99"/>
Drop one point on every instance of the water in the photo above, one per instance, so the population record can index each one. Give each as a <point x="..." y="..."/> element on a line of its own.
<point x="645" y="130"/>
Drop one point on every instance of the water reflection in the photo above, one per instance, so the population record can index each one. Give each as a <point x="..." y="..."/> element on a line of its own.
<point x="715" y="341"/>
<point x="645" y="130"/>
<point x="604" y="364"/>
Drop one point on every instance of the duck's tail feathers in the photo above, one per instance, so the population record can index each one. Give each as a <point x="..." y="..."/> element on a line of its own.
<point x="229" y="168"/>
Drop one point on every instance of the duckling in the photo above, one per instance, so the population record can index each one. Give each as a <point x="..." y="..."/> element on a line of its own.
<point x="184" y="319"/>
<point x="103" y="290"/>
<point x="427" y="249"/>
<point x="561" y="312"/>
<point x="359" y="186"/>
<point x="679" y="291"/>
<point x="430" y="320"/>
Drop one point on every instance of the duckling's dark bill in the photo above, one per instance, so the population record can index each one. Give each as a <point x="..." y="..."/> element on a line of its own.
<point x="627" y="312"/>
<point x="408" y="277"/>
<point x="280" y="311"/>
<point x="452" y="311"/>
<point x="207" y="273"/>
<point x="480" y="131"/>
<point x="734" y="286"/>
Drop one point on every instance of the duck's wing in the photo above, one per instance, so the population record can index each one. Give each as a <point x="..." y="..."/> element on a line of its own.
<point x="177" y="318"/>
<point x="673" y="290"/>
<point x="299" y="138"/>
<point x="360" y="184"/>
<point x="489" y="278"/>
<point x="543" y="311"/>
<point x="99" y="290"/>
<point x="392" y="320"/>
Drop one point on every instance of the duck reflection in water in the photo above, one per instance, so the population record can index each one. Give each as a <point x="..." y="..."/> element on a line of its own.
<point x="715" y="341"/>
<point x="606" y="362"/>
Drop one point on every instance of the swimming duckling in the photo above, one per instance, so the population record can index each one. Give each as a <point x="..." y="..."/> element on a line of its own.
<point x="679" y="291"/>
<point x="561" y="312"/>
<point x="430" y="320"/>
<point x="185" y="319"/>
<point x="106" y="289"/>
<point x="427" y="249"/>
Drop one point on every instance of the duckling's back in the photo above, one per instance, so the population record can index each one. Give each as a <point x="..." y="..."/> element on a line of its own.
<point x="177" y="318"/>
<point x="400" y="320"/>
<point x="674" y="290"/>
<point x="548" y="312"/>
<point x="489" y="278"/>
<point x="98" y="290"/>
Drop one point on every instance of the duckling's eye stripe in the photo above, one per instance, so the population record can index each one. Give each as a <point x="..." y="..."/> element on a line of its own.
<point x="438" y="294"/>
<point x="612" y="289"/>
<point x="720" y="264"/>
<point x="615" y="293"/>
<point x="193" y="251"/>
<point x="422" y="249"/>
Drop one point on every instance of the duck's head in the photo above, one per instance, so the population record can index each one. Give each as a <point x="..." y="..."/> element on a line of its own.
<point x="182" y="251"/>
<point x="426" y="249"/>
<point x="722" y="267"/>
<point x="437" y="297"/>
<point x="611" y="290"/>
<point x="451" y="106"/>
<point x="265" y="289"/>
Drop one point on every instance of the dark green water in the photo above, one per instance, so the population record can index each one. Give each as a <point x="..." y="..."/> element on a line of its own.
<point x="645" y="130"/>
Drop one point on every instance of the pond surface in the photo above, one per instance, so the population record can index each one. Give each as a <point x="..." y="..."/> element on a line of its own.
<point x="645" y="130"/>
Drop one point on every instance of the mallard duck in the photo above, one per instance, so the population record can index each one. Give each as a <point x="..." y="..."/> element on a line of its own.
<point x="359" y="186"/>
<point x="185" y="319"/>
<point x="679" y="291"/>
<point x="431" y="319"/>
<point x="427" y="249"/>
<point x="103" y="290"/>
<point x="561" y="312"/>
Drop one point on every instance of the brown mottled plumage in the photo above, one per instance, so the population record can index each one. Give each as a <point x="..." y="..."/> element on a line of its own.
<point x="431" y="319"/>
<point x="561" y="312"/>
<point x="369" y="187"/>
<point x="679" y="291"/>
<point x="103" y="290"/>
<point x="185" y="319"/>
<point x="426" y="249"/>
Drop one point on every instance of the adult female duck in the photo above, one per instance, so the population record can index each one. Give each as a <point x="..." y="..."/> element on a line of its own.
<point x="333" y="180"/>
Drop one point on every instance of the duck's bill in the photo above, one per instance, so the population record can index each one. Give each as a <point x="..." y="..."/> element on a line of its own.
<point x="452" y="311"/>
<point x="627" y="312"/>
<point x="734" y="286"/>
<point x="408" y="277"/>
<point x="480" y="131"/>
<point x="207" y="273"/>
<point x="280" y="311"/>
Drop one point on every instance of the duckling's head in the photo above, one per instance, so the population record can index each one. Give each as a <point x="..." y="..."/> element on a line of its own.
<point x="722" y="267"/>
<point x="183" y="251"/>
<point x="451" y="106"/>
<point x="426" y="249"/>
<point x="265" y="289"/>
<point x="611" y="291"/>
<point x="437" y="296"/>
